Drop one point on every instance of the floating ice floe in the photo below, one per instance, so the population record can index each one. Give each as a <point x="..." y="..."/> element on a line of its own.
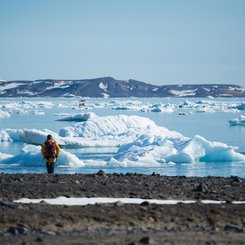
<point x="241" y="107"/>
<point x="45" y="104"/>
<point x="81" y="117"/>
<point x="4" y="114"/>
<point x="205" y="110"/>
<point x="209" y="106"/>
<point x="240" y="121"/>
<point x="4" y="136"/>
<point x="147" y="107"/>
<point x="4" y="156"/>
<point x="121" y="127"/>
<point x="29" y="136"/>
<point x="21" y="111"/>
<point x="26" y="106"/>
<point x="161" y="108"/>
<point x="126" y="105"/>
<point x="38" y="113"/>
<point x="31" y="156"/>
<point x="155" y="150"/>
<point x="37" y="137"/>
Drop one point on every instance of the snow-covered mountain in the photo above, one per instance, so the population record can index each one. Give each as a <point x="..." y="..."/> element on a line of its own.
<point x="110" y="87"/>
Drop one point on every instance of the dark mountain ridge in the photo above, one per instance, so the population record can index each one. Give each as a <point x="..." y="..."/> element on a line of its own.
<point x="110" y="87"/>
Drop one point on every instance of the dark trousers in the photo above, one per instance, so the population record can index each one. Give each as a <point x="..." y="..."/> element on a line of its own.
<point x="50" y="167"/>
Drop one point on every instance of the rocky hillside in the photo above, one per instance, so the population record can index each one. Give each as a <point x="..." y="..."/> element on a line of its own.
<point x="110" y="87"/>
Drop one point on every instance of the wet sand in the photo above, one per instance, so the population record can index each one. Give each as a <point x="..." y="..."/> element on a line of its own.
<point x="121" y="223"/>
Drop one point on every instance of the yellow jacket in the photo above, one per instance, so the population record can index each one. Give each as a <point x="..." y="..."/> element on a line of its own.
<point x="57" y="152"/>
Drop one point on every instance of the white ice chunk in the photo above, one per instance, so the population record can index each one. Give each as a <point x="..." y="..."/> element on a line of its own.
<point x="240" y="121"/>
<point x="31" y="156"/>
<point x="4" y="156"/>
<point x="39" y="113"/>
<point x="115" y="126"/>
<point x="80" y="117"/>
<point x="241" y="107"/>
<point x="4" y="136"/>
<point x="148" y="148"/>
<point x="4" y="114"/>
<point x="161" y="108"/>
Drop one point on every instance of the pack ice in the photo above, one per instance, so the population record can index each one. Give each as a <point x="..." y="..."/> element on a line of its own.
<point x="139" y="140"/>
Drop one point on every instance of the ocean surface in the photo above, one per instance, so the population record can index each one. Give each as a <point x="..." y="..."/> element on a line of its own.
<point x="208" y="118"/>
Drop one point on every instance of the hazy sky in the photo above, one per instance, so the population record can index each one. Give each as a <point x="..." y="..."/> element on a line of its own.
<point x="156" y="41"/>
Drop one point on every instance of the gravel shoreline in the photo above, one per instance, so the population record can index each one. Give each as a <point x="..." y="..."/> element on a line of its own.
<point x="122" y="223"/>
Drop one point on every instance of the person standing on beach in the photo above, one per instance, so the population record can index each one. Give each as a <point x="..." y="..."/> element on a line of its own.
<point x="50" y="151"/>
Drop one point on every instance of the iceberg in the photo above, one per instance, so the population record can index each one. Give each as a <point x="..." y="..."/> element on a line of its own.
<point x="4" y="156"/>
<point x="31" y="156"/>
<point x="29" y="136"/>
<point x="114" y="130"/>
<point x="126" y="105"/>
<point x="119" y="125"/>
<point x="156" y="150"/>
<point x="241" y="107"/>
<point x="38" y="113"/>
<point x="4" y="136"/>
<point x="81" y="117"/>
<point x="161" y="108"/>
<point x="201" y="150"/>
<point x="4" y="114"/>
<point x="240" y="121"/>
<point x="139" y="140"/>
<point x="38" y="137"/>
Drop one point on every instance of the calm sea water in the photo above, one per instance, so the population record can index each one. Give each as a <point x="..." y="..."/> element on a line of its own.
<point x="213" y="126"/>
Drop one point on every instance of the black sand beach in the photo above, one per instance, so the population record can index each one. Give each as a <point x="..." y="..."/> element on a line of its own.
<point x="122" y="223"/>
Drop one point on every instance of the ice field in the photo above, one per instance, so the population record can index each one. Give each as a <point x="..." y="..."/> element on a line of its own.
<point x="192" y="137"/>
